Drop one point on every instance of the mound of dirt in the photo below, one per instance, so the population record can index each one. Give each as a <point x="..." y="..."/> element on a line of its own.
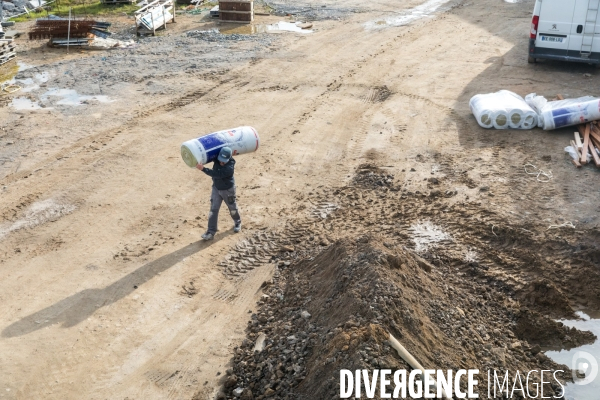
<point x="371" y="176"/>
<point x="545" y="296"/>
<point x="531" y="326"/>
<point x="335" y="309"/>
<point x="460" y="287"/>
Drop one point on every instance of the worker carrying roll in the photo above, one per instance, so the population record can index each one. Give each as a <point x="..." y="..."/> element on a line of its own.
<point x="220" y="147"/>
<point x="205" y="149"/>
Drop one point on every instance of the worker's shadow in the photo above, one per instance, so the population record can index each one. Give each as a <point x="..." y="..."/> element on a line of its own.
<point x="78" y="307"/>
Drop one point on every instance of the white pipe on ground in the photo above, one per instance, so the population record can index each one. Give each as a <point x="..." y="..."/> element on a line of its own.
<point x="406" y="356"/>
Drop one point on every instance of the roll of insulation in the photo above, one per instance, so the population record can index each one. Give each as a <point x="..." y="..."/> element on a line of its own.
<point x="205" y="149"/>
<point x="482" y="113"/>
<point x="530" y="120"/>
<point x="500" y="119"/>
<point x="515" y="118"/>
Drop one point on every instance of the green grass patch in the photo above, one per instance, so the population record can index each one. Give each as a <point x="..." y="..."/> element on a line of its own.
<point x="79" y="10"/>
<point x="8" y="71"/>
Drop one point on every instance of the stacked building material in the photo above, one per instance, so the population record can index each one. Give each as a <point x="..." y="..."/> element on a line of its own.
<point x="63" y="32"/>
<point x="7" y="50"/>
<point x="587" y="149"/>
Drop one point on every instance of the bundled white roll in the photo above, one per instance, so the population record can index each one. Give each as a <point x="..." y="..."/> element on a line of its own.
<point x="205" y="149"/>
<point x="561" y="113"/>
<point x="502" y="110"/>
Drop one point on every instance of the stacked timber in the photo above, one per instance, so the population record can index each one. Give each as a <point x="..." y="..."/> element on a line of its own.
<point x="587" y="144"/>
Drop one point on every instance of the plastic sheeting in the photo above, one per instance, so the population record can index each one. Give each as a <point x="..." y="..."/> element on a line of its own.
<point x="503" y="110"/>
<point x="561" y="113"/>
<point x="575" y="156"/>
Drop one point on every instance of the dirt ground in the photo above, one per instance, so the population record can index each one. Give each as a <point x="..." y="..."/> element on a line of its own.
<point x="107" y="291"/>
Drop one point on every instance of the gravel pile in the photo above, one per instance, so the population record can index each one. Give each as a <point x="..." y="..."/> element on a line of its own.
<point x="216" y="36"/>
<point x="15" y="7"/>
<point x="311" y="12"/>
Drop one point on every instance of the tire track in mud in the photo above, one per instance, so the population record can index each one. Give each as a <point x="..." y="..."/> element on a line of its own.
<point x="176" y="371"/>
<point x="185" y="363"/>
<point x="106" y="136"/>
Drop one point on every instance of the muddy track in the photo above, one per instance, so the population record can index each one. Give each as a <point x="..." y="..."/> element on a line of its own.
<point x="105" y="137"/>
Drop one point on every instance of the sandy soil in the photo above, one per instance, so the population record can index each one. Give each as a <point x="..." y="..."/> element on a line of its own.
<point x="107" y="292"/>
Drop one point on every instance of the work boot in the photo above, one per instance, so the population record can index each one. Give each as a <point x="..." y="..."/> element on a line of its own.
<point x="208" y="236"/>
<point x="237" y="227"/>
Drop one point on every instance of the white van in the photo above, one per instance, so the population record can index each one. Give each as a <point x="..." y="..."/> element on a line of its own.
<point x="565" y="30"/>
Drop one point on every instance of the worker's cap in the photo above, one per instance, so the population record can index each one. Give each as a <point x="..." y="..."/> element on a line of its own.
<point x="224" y="154"/>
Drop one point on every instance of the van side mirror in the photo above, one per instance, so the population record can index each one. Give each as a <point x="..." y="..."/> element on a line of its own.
<point x="579" y="28"/>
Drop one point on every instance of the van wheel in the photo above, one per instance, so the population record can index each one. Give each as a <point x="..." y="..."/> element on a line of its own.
<point x="531" y="60"/>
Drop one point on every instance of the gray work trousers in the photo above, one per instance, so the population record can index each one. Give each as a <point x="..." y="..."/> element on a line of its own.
<point x="216" y="198"/>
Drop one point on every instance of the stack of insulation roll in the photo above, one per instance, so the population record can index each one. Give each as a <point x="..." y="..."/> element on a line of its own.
<point x="503" y="110"/>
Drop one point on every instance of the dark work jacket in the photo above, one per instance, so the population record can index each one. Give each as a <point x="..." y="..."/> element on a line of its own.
<point x="222" y="175"/>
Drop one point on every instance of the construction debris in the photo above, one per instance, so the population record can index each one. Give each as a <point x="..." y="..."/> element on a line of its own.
<point x="586" y="150"/>
<point x="7" y="50"/>
<point x="154" y="16"/>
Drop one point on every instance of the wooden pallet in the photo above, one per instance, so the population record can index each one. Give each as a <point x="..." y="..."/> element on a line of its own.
<point x="7" y="57"/>
<point x="7" y="49"/>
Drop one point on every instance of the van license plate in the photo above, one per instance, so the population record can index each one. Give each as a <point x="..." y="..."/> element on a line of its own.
<point x="552" y="39"/>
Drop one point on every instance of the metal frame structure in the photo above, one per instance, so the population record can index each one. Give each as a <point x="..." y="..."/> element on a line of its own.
<point x="153" y="16"/>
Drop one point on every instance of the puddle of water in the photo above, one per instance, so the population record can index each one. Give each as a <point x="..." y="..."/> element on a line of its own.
<point x="23" y="66"/>
<point x="426" y="235"/>
<point x="577" y="359"/>
<point x="251" y="29"/>
<point x="512" y="1"/>
<point x="23" y="103"/>
<point x="413" y="14"/>
<point x="70" y="97"/>
<point x="37" y="214"/>
<point x="28" y="84"/>
<point x="42" y="77"/>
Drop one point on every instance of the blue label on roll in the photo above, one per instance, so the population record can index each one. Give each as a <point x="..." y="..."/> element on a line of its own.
<point x="568" y="116"/>
<point x="562" y="120"/>
<point x="559" y="111"/>
<point x="212" y="143"/>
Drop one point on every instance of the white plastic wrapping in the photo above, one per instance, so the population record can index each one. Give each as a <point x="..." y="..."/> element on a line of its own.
<point x="574" y="155"/>
<point x="205" y="149"/>
<point x="561" y="113"/>
<point x="503" y="110"/>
